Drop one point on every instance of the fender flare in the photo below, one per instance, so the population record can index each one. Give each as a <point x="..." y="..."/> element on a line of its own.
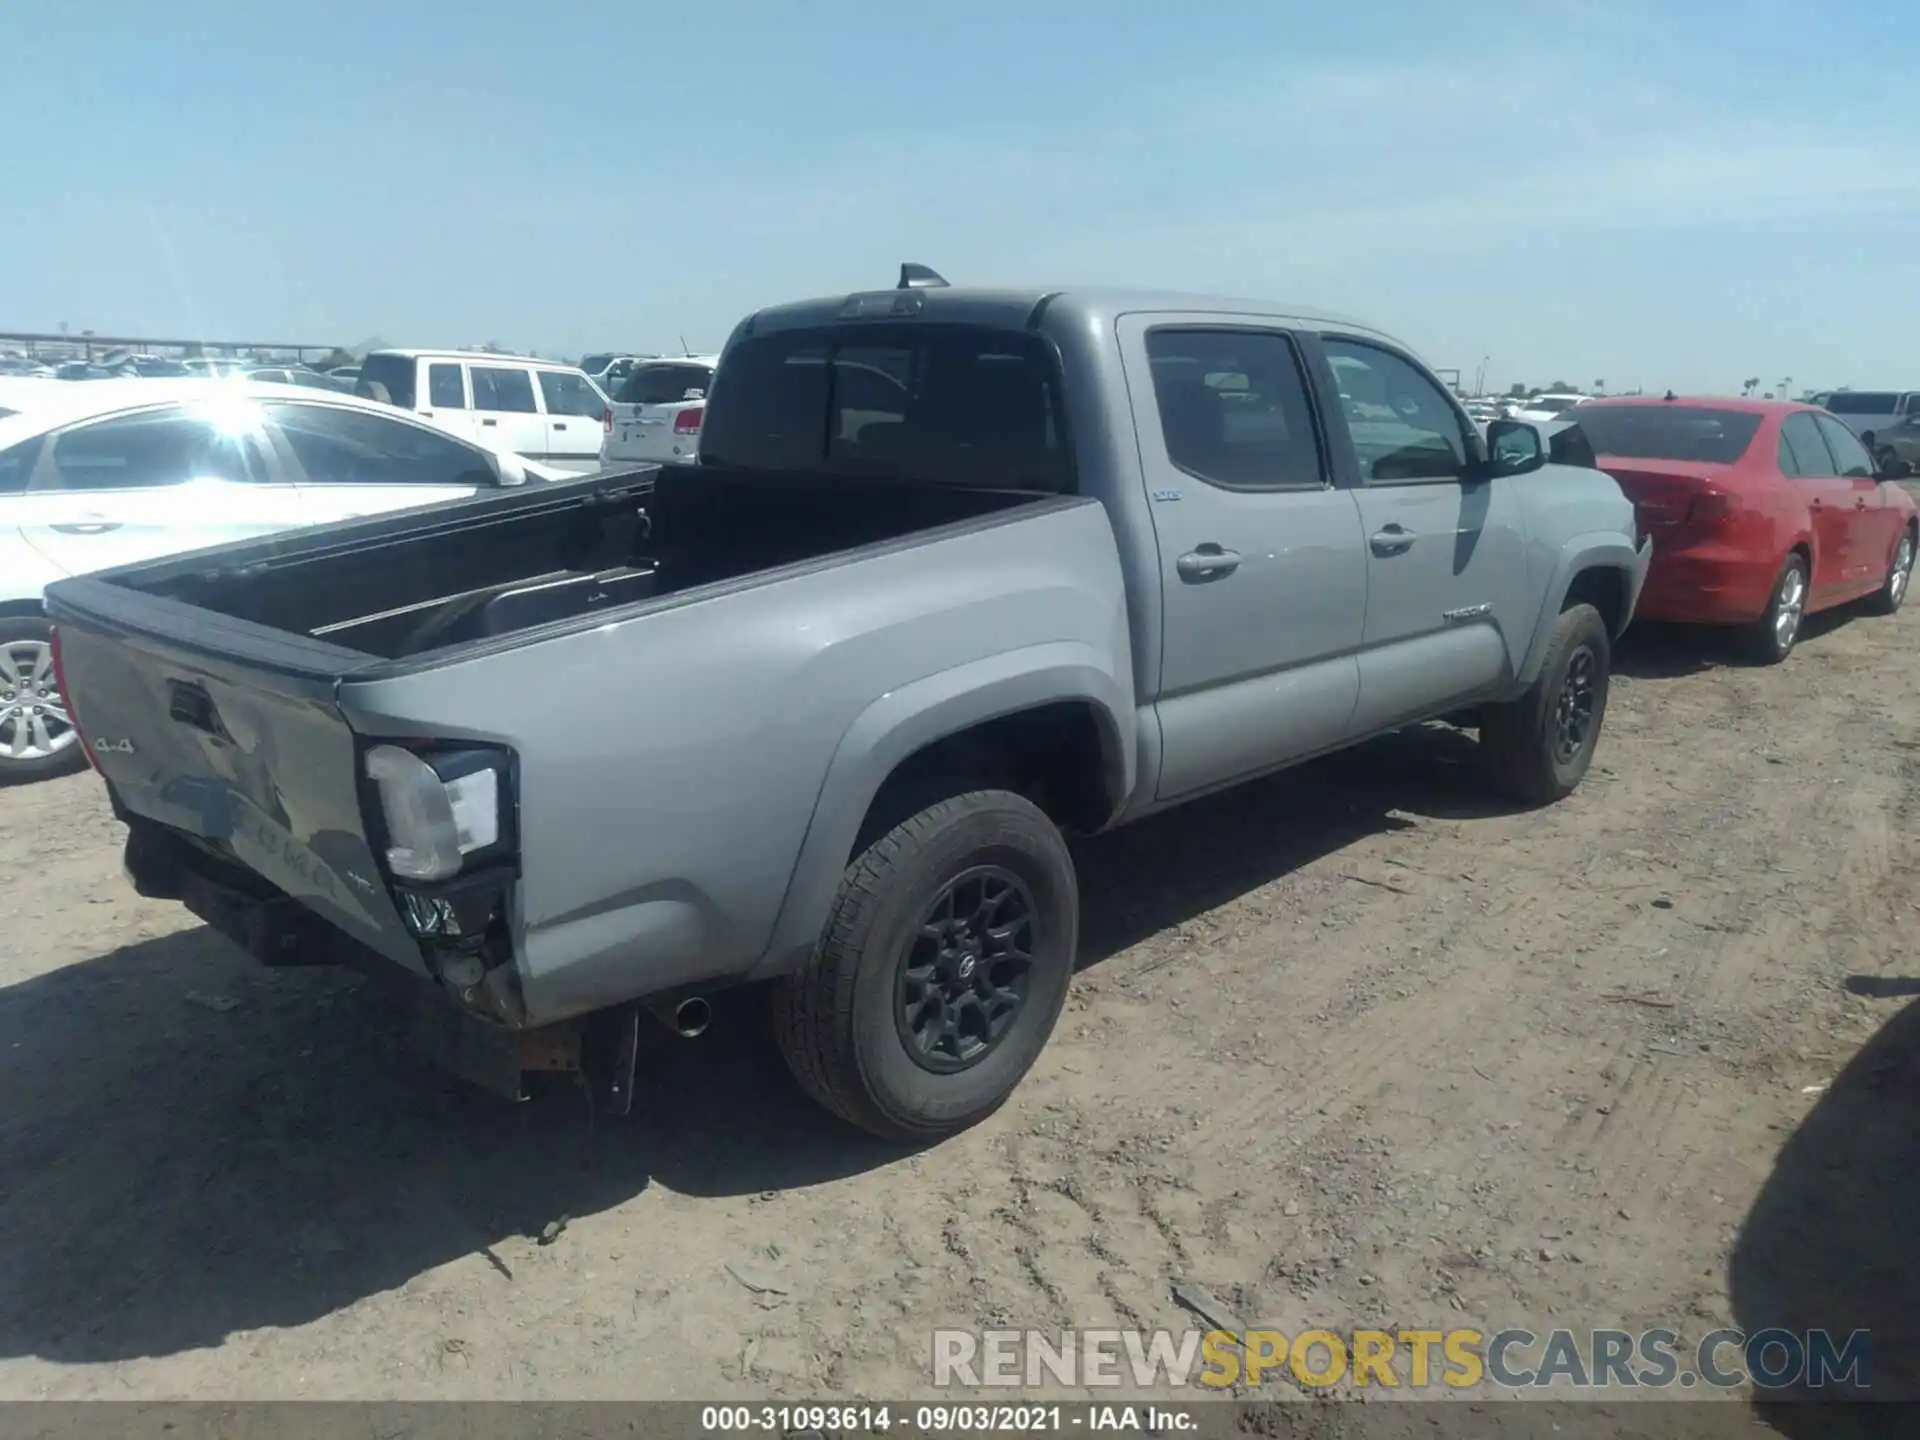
<point x="907" y="720"/>
<point x="1597" y="550"/>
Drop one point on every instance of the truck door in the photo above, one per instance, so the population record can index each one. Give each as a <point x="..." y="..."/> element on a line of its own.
<point x="1448" y="612"/>
<point x="1262" y="576"/>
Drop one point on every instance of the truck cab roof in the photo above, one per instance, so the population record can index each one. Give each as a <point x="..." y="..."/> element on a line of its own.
<point x="1020" y="309"/>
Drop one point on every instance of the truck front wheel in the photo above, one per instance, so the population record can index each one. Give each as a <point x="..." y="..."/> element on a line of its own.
<point x="941" y="970"/>
<point x="1538" y="747"/>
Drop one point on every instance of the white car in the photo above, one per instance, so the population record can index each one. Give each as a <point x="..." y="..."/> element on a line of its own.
<point x="538" y="409"/>
<point x="118" y="471"/>
<point x="657" y="412"/>
<point x="1539" y="409"/>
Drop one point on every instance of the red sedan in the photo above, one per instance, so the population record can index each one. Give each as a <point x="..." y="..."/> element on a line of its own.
<point x="1761" y="512"/>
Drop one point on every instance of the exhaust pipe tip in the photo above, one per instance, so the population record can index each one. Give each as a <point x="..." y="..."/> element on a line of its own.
<point x="691" y="1017"/>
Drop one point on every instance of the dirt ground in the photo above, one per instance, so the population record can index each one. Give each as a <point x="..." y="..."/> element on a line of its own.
<point x="1351" y="1046"/>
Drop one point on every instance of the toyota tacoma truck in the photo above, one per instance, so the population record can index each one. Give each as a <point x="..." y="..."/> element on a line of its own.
<point x="960" y="572"/>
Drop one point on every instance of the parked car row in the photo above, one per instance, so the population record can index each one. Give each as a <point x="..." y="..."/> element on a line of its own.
<point x="538" y="409"/>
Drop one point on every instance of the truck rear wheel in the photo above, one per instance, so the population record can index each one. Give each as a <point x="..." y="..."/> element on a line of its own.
<point x="1538" y="747"/>
<point x="941" y="971"/>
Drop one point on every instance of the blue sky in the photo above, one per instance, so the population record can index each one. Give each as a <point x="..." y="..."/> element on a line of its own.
<point x="1669" y="194"/>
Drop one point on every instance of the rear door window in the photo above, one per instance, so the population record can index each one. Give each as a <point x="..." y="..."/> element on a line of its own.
<point x="1233" y="408"/>
<point x="333" y="445"/>
<point x="500" y="388"/>
<point x="128" y="452"/>
<point x="941" y="403"/>
<point x="567" y="393"/>
<point x="446" y="387"/>
<point x="1803" y="454"/>
<point x="1849" y="455"/>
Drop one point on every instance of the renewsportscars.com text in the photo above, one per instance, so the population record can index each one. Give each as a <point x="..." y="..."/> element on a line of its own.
<point x="1457" y="1359"/>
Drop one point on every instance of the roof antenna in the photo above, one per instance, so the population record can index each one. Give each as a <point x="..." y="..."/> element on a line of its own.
<point x="920" y="277"/>
<point x="1671" y="396"/>
<point x="683" y="346"/>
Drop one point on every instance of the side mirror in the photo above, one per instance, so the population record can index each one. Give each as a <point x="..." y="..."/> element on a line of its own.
<point x="1514" y="448"/>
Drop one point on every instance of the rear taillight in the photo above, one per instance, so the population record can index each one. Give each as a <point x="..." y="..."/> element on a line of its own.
<point x="66" y="697"/>
<point x="687" y="422"/>
<point x="1710" y="507"/>
<point x="606" y="420"/>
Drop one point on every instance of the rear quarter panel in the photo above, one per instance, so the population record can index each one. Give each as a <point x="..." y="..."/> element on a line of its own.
<point x="673" y="765"/>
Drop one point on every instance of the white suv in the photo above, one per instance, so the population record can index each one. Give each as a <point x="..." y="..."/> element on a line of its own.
<point x="657" y="411"/>
<point x="538" y="409"/>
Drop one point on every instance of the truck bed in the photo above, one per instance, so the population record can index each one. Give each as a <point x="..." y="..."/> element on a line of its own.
<point x="668" y="662"/>
<point x="429" y="580"/>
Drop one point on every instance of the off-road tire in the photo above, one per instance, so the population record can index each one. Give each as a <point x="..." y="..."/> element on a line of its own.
<point x="1519" y="739"/>
<point x="1890" y="595"/>
<point x="1761" y="641"/>
<point x="835" y="1018"/>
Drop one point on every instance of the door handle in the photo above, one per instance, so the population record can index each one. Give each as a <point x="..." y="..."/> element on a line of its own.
<point x="651" y="422"/>
<point x="1207" y="562"/>
<point x="559" y="424"/>
<point x="1860" y="504"/>
<point x="90" y="527"/>
<point x="489" y="422"/>
<point x="1392" y="540"/>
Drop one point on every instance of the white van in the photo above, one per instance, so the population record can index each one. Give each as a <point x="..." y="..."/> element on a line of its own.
<point x="538" y="409"/>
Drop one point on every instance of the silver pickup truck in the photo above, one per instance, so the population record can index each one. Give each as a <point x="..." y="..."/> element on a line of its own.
<point x="959" y="572"/>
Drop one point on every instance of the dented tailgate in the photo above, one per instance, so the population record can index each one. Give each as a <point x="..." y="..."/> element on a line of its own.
<point x="230" y="732"/>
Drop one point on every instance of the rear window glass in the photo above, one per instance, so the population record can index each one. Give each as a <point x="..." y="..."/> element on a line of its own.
<point x="665" y="385"/>
<point x="1664" y="432"/>
<point x="1862" y="402"/>
<point x="945" y="403"/>
<point x="393" y="373"/>
<point x="502" y="390"/>
<point x="1552" y="404"/>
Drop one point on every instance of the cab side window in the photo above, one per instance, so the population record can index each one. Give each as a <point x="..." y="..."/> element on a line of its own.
<point x="1403" y="426"/>
<point x="1233" y="408"/>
